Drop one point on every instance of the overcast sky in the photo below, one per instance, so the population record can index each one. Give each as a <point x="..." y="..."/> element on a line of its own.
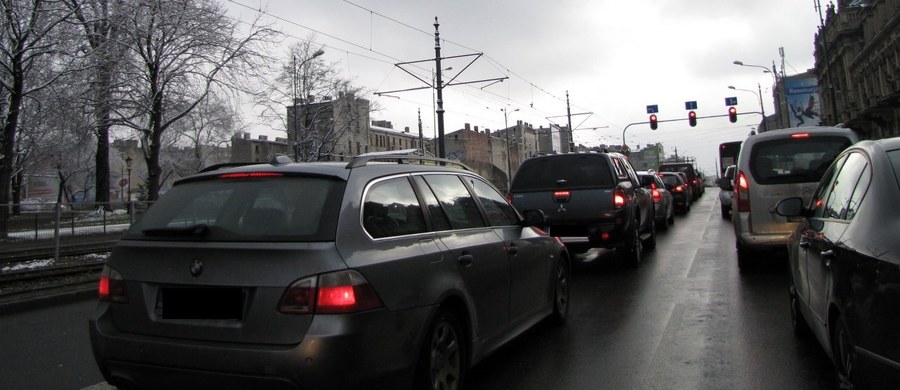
<point x="613" y="57"/>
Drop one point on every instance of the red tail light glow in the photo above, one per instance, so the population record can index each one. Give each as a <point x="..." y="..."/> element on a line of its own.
<point x="742" y="193"/>
<point x="619" y="199"/>
<point x="334" y="293"/>
<point x="246" y="175"/>
<point x="655" y="193"/>
<point x="800" y="135"/>
<point x="679" y="188"/>
<point x="561" y="196"/>
<point x="111" y="287"/>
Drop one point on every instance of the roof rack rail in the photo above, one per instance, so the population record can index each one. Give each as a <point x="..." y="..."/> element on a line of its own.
<point x="401" y="157"/>
<point x="278" y="159"/>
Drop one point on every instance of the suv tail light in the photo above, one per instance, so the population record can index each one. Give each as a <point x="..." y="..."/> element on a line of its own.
<point x="619" y="199"/>
<point x="742" y="192"/>
<point x="655" y="192"/>
<point x="111" y="287"/>
<point x="561" y="196"/>
<point x="338" y="292"/>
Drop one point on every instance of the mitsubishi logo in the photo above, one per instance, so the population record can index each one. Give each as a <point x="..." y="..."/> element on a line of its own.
<point x="196" y="268"/>
<point x="561" y="209"/>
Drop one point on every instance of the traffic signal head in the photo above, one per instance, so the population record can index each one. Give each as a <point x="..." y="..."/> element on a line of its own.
<point x="732" y="114"/>
<point x="692" y="118"/>
<point x="653" y="122"/>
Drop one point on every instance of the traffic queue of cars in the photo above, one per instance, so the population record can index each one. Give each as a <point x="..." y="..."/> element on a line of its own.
<point x="830" y="200"/>
<point x="290" y="275"/>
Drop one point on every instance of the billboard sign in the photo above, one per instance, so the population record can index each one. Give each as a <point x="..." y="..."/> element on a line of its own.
<point x="804" y="105"/>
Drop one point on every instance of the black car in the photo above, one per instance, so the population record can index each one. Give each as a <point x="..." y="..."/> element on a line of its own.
<point x="590" y="200"/>
<point x="663" y="202"/>
<point x="845" y="264"/>
<point x="377" y="273"/>
<point x="681" y="191"/>
<point x="693" y="177"/>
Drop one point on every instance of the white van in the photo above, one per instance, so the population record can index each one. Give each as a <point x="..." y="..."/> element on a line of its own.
<point x="774" y="165"/>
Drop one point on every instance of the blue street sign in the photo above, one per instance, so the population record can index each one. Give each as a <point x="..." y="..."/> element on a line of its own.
<point x="692" y="105"/>
<point x="652" y="109"/>
<point x="731" y="101"/>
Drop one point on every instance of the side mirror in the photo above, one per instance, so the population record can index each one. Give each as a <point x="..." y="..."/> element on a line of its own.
<point x="535" y="218"/>
<point x="790" y="207"/>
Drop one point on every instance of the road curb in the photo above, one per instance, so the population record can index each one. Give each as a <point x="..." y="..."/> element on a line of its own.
<point x="24" y="303"/>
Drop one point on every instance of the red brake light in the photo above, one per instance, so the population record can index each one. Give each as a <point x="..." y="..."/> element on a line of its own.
<point x="246" y="175"/>
<point x="337" y="292"/>
<point x="111" y="287"/>
<point x="619" y="199"/>
<point x="742" y="193"/>
<point x="561" y="196"/>
<point x="679" y="188"/>
<point x="655" y="193"/>
<point x="800" y="135"/>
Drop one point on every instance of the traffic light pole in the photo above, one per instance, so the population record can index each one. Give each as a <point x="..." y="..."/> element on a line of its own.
<point x="625" y="145"/>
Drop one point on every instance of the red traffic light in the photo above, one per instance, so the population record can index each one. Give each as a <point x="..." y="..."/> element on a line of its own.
<point x="732" y="114"/>
<point x="692" y="118"/>
<point x="653" y="122"/>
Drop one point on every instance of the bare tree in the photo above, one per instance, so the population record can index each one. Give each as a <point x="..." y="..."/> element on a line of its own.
<point x="315" y="107"/>
<point x="206" y="130"/>
<point x="98" y="20"/>
<point x="26" y="35"/>
<point x="179" y="51"/>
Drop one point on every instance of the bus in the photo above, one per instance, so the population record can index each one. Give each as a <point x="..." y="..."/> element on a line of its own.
<point x="728" y="154"/>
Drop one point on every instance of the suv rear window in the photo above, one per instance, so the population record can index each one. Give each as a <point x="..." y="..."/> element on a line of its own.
<point x="687" y="169"/>
<point x="254" y="209"/>
<point x="794" y="160"/>
<point x="569" y="171"/>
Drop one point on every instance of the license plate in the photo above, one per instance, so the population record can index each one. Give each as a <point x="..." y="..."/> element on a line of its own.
<point x="214" y="303"/>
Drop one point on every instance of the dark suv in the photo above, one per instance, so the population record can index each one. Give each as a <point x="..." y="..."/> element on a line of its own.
<point x="323" y="275"/>
<point x="694" y="179"/>
<point x="590" y="200"/>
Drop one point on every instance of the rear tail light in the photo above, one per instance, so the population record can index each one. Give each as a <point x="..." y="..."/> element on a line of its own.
<point x="679" y="188"/>
<point x="561" y="196"/>
<point x="247" y="175"/>
<point x="655" y="193"/>
<point x="338" y="292"/>
<point x="742" y="192"/>
<point x="800" y="135"/>
<point x="111" y="287"/>
<point x="619" y="199"/>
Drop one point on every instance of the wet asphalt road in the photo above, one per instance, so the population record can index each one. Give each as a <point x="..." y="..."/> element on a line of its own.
<point x="686" y="319"/>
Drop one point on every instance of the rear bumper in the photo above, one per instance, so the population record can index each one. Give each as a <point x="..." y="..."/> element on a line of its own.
<point x="593" y="234"/>
<point x="379" y="348"/>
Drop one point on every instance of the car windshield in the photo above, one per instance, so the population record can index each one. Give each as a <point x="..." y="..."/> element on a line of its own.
<point x="573" y="172"/>
<point x="794" y="160"/>
<point x="257" y="209"/>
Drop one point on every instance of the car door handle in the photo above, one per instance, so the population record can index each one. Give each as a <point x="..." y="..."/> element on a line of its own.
<point x="465" y="260"/>
<point x="804" y="242"/>
<point x="512" y="249"/>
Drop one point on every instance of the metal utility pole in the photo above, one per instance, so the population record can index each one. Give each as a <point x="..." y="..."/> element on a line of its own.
<point x="421" y="137"/>
<point x="569" y="116"/>
<point x="439" y="85"/>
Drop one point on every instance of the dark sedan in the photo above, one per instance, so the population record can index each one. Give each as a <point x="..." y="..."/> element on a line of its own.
<point x="845" y="264"/>
<point x="681" y="191"/>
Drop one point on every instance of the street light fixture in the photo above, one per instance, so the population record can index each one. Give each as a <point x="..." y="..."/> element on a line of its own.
<point x="778" y="96"/>
<point x="294" y="79"/>
<point x="128" y="162"/>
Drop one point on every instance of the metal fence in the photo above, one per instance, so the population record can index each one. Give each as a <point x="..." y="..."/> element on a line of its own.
<point x="53" y="223"/>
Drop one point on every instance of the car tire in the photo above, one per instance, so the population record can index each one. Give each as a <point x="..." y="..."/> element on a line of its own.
<point x="664" y="224"/>
<point x="443" y="362"/>
<point x="725" y="213"/>
<point x="650" y="243"/>
<point x="743" y="258"/>
<point x="560" y="292"/>
<point x="672" y="217"/>
<point x="844" y="355"/>
<point x="798" y="323"/>
<point x="631" y="252"/>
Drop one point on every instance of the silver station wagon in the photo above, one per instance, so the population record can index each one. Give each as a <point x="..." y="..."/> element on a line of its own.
<point x="377" y="273"/>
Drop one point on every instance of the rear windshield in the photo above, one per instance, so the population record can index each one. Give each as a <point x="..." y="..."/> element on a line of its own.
<point x="570" y="171"/>
<point x="249" y="209"/>
<point x="687" y="169"/>
<point x="794" y="160"/>
<point x="894" y="156"/>
<point x="671" y="180"/>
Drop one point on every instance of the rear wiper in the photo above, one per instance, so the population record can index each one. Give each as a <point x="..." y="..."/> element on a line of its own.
<point x="193" y="230"/>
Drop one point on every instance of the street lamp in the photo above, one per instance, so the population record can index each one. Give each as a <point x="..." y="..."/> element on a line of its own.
<point x="506" y="130"/>
<point x="294" y="79"/>
<point x="762" y="110"/>
<point x="128" y="161"/>
<point x="778" y="96"/>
